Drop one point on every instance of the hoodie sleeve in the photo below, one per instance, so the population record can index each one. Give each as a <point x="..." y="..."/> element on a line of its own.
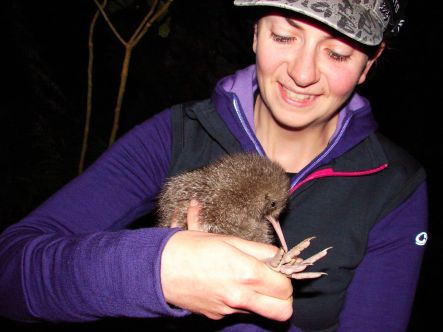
<point x="72" y="260"/>
<point x="382" y="292"/>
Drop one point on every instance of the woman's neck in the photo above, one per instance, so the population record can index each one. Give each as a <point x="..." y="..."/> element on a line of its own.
<point x="292" y="148"/>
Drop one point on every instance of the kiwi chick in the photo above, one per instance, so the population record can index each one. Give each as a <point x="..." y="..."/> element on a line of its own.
<point x="237" y="194"/>
<point x="240" y="195"/>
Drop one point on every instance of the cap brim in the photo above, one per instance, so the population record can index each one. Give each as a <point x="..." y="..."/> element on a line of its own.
<point x="356" y="21"/>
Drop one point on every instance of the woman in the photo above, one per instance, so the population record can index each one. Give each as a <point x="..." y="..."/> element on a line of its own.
<point x="73" y="260"/>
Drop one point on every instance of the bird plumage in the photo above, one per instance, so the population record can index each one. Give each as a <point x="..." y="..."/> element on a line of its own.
<point x="236" y="194"/>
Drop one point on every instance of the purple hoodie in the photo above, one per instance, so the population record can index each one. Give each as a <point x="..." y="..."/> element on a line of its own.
<point x="73" y="258"/>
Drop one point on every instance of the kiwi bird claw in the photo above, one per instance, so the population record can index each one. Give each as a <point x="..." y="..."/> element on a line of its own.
<point x="307" y="275"/>
<point x="293" y="266"/>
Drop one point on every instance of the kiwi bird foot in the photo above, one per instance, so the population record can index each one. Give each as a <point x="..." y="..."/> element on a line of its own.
<point x="293" y="266"/>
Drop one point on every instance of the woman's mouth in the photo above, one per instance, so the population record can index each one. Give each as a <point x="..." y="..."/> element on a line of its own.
<point x="299" y="99"/>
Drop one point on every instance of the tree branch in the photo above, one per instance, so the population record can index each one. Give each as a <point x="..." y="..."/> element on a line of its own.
<point x="108" y="20"/>
<point x="143" y="22"/>
<point x="81" y="164"/>
<point x="160" y="12"/>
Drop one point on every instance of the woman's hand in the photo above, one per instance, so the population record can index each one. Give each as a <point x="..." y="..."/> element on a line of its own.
<point x="217" y="275"/>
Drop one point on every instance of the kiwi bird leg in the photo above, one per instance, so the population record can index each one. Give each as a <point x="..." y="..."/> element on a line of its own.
<point x="276" y="224"/>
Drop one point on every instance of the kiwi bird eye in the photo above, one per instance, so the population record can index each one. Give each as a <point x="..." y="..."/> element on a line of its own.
<point x="273" y="204"/>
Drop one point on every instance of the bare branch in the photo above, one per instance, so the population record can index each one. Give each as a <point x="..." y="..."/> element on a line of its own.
<point x="160" y="12"/>
<point x="153" y="14"/>
<point x="142" y="24"/>
<point x="108" y="20"/>
<point x="125" y="67"/>
<point x="81" y="164"/>
<point x="121" y="93"/>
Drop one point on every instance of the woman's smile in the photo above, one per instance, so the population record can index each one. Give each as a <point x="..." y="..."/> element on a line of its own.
<point x="296" y="98"/>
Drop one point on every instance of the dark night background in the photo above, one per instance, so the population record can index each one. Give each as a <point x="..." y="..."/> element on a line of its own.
<point x="44" y="51"/>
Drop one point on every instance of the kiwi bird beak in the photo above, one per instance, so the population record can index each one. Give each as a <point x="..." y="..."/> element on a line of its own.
<point x="276" y="224"/>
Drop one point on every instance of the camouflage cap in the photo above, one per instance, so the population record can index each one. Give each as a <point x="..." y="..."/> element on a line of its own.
<point x="365" y="21"/>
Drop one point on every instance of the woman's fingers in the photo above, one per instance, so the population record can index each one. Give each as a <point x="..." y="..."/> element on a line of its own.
<point x="193" y="215"/>
<point x="208" y="274"/>
<point x="270" y="307"/>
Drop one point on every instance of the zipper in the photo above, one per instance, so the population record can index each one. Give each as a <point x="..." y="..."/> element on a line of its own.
<point x="247" y="128"/>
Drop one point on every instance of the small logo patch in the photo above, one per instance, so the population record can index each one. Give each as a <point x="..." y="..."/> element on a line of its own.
<point x="421" y="239"/>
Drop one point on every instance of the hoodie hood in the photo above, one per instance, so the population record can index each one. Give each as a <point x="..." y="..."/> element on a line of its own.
<point x="234" y="101"/>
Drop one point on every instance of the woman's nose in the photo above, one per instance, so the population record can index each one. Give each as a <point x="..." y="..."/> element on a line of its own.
<point x="303" y="68"/>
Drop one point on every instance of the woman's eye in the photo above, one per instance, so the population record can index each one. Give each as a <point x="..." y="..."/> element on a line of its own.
<point x="338" y="57"/>
<point x="282" y="39"/>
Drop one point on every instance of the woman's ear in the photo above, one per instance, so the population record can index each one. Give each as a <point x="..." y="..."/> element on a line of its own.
<point x="371" y="61"/>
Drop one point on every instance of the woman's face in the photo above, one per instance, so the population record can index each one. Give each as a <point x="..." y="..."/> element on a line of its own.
<point x="305" y="72"/>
